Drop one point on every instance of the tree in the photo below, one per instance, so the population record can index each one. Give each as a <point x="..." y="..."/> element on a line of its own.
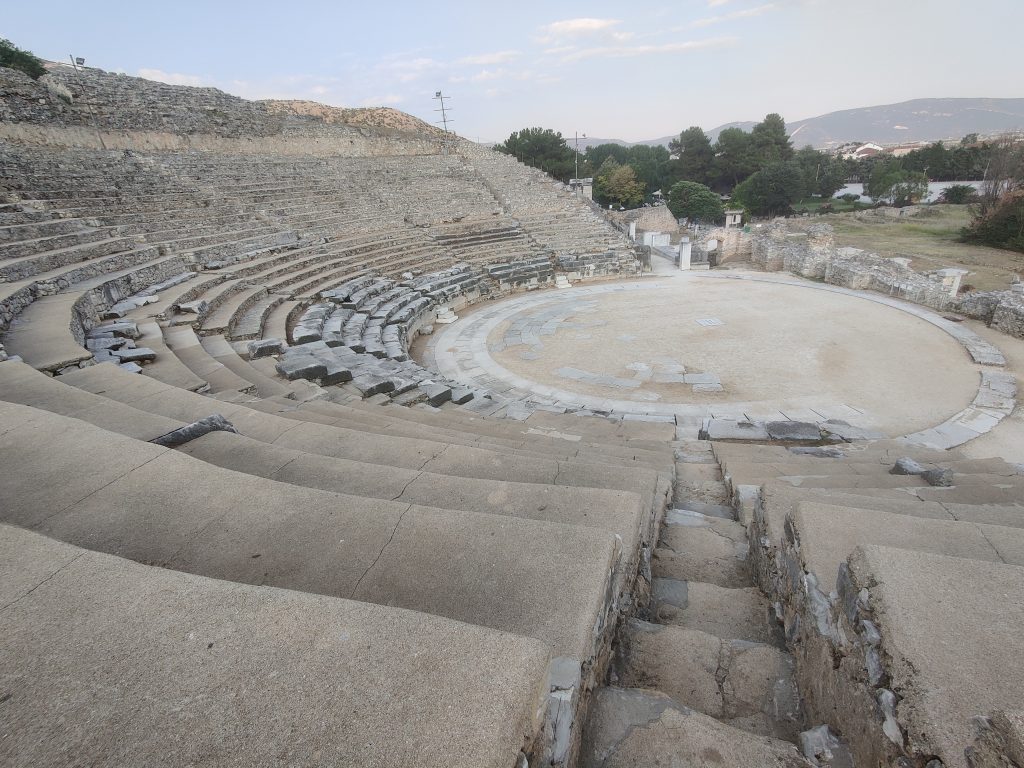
<point x="823" y="174"/>
<point x="771" y="141"/>
<point x="772" y="190"/>
<point x="889" y="182"/>
<point x="958" y="194"/>
<point x="696" y="202"/>
<point x="734" y="158"/>
<point x="541" y="148"/>
<point x="13" y="57"/>
<point x="998" y="217"/>
<point x="696" y="156"/>
<point x="617" y="183"/>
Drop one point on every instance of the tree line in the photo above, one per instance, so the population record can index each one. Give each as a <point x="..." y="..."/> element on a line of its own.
<point x="760" y="169"/>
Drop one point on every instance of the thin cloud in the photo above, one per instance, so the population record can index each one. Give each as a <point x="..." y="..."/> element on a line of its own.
<point x="490" y="59"/>
<point x="380" y="101"/>
<point x="623" y="51"/>
<point x="559" y="30"/>
<point x="746" y="13"/>
<point x="171" y="78"/>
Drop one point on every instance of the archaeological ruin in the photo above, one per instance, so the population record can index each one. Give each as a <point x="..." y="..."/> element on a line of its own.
<point x="330" y="438"/>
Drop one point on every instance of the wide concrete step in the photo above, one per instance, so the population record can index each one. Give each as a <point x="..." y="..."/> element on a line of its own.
<point x="923" y="644"/>
<point x="386" y="423"/>
<point x="184" y="344"/>
<point x="568" y="427"/>
<point x="696" y="547"/>
<point x="630" y="728"/>
<point x="749" y="686"/>
<point x="820" y="537"/>
<point x="220" y="349"/>
<point x="871" y="452"/>
<point x="729" y="613"/>
<point x="620" y="512"/>
<point x="411" y="453"/>
<point x="162" y="654"/>
<point x="93" y="488"/>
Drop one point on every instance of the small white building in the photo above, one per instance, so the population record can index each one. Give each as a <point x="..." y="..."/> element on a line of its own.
<point x="733" y="218"/>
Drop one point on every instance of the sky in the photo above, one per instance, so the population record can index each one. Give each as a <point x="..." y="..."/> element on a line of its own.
<point x="630" y="71"/>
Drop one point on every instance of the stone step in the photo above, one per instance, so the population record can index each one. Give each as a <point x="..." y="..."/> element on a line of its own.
<point x="140" y="630"/>
<point x="820" y="537"/>
<point x="874" y="452"/>
<point x="413" y="453"/>
<point x="749" y="686"/>
<point x="696" y="547"/>
<point x="729" y="613"/>
<point x="392" y="421"/>
<point x="923" y="645"/>
<point x="220" y="349"/>
<point x="630" y="728"/>
<point x="724" y="511"/>
<point x="158" y="506"/>
<point x="167" y="368"/>
<point x="184" y="344"/>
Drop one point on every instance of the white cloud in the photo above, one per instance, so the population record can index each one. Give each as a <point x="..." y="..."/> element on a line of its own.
<point x="623" y="51"/>
<point x="496" y="57"/>
<point x="746" y="13"/>
<point x="171" y="78"/>
<point x="380" y="101"/>
<point x="559" y="30"/>
<point x="716" y="3"/>
<point x="407" y="70"/>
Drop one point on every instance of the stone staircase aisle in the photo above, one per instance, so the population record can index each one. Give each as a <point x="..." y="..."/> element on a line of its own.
<point x="702" y="678"/>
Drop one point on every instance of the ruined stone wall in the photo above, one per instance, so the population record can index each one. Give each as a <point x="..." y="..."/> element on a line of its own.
<point x="1002" y="310"/>
<point x="733" y="245"/>
<point x="811" y="252"/>
<point x="110" y="111"/>
<point x="655" y="219"/>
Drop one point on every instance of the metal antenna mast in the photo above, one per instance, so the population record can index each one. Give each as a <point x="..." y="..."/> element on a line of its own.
<point x="443" y="110"/>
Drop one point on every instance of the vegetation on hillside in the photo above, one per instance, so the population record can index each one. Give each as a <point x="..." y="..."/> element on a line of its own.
<point x="693" y="201"/>
<point x="13" y="57"/>
<point x="765" y="174"/>
<point x="541" y="148"/>
<point x="997" y="218"/>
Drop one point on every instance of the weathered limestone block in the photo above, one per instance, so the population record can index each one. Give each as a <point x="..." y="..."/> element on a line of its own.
<point x="213" y="423"/>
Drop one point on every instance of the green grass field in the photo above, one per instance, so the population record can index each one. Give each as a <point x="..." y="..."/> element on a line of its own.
<point x="932" y="241"/>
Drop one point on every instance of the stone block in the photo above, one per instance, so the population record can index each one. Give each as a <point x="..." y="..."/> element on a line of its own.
<point x="301" y="367"/>
<point x="369" y="384"/>
<point x="793" y="431"/>
<point x="461" y="395"/>
<point x="265" y="348"/>
<point x="437" y="394"/>
<point x="730" y="429"/>
<point x="134" y="355"/>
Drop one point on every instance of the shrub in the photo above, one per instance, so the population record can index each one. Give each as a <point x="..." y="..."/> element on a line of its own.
<point x="12" y="57"/>
<point x="1002" y="225"/>
<point x="958" y="194"/>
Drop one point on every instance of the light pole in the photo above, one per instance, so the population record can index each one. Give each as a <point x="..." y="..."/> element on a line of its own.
<point x="578" y="153"/>
<point x="77" y="61"/>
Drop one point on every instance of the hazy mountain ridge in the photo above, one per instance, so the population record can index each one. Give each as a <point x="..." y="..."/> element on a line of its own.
<point x="905" y="122"/>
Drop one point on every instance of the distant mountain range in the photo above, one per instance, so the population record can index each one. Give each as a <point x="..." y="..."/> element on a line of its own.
<point x="908" y="121"/>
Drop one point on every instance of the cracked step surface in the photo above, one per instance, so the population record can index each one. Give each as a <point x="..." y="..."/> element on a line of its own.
<point x="631" y="728"/>
<point x="747" y="685"/>
<point x="696" y="547"/>
<point x="735" y="614"/>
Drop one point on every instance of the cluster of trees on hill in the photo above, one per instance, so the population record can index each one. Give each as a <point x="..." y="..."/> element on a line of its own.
<point x="760" y="168"/>
<point x="997" y="216"/>
<point x="13" y="57"/>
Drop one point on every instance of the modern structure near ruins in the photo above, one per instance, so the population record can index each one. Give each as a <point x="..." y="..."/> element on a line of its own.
<point x="331" y="439"/>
